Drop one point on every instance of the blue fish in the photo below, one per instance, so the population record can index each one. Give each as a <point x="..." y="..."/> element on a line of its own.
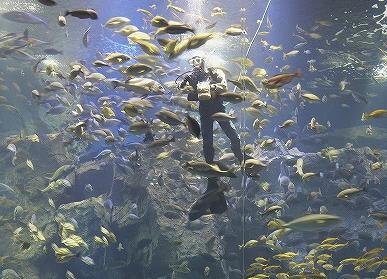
<point x="24" y="17"/>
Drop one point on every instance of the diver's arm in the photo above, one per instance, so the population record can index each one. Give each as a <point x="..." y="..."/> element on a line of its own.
<point x="185" y="81"/>
<point x="192" y="95"/>
<point x="220" y="84"/>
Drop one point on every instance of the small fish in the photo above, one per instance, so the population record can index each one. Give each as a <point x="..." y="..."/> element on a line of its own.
<point x="133" y="216"/>
<point x="48" y="2"/>
<point x="103" y="153"/>
<point x="70" y="275"/>
<point x="193" y="126"/>
<point x="87" y="260"/>
<point x="300" y="45"/>
<point x="83" y="14"/>
<point x="290" y="54"/>
<point x="85" y="38"/>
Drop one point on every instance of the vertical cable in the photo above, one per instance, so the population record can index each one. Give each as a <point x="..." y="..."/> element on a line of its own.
<point x="243" y="72"/>
<point x="242" y="127"/>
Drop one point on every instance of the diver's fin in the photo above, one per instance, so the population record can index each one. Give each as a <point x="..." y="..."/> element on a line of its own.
<point x="209" y="203"/>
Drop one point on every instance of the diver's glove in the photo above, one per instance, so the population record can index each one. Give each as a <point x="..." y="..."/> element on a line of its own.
<point x="217" y="88"/>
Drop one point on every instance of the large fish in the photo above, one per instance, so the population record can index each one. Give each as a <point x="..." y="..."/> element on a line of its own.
<point x="142" y="86"/>
<point x="211" y="202"/>
<point x="24" y="17"/>
<point x="48" y="2"/>
<point x="280" y="80"/>
<point x="83" y="14"/>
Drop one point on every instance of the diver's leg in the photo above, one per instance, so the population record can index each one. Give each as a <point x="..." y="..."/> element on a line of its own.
<point x="231" y="133"/>
<point x="208" y="148"/>
<point x="206" y="124"/>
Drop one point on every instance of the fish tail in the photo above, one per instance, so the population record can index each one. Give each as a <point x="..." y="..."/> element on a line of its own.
<point x="364" y="117"/>
<point x="284" y="56"/>
<point x="66" y="13"/>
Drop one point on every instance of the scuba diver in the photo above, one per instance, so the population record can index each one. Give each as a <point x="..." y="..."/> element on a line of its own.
<point x="207" y="84"/>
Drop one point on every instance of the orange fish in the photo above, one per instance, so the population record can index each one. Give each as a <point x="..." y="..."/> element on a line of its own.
<point x="280" y="80"/>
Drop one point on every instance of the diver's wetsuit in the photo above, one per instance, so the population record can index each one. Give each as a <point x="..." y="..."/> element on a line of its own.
<point x="207" y="108"/>
<point x="212" y="200"/>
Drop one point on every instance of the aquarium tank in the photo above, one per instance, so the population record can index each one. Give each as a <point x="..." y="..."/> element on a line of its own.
<point x="193" y="139"/>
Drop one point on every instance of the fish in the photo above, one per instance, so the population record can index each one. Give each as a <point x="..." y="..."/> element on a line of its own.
<point x="87" y="260"/>
<point x="70" y="275"/>
<point x="310" y="97"/>
<point x="222" y="116"/>
<point x="374" y="114"/>
<point x="245" y="82"/>
<point x="207" y="170"/>
<point x="169" y="117"/>
<point x="234" y="31"/>
<point x="103" y="153"/>
<point x="116" y="22"/>
<point x="82" y="14"/>
<point x="49" y="3"/>
<point x="159" y="21"/>
<point x="280" y="80"/>
<point x="290" y="54"/>
<point x="349" y="192"/>
<point x="312" y="222"/>
<point x="175" y="29"/>
<point x="85" y="37"/>
<point x="193" y="126"/>
<point x="142" y="86"/>
<point x="24" y="17"/>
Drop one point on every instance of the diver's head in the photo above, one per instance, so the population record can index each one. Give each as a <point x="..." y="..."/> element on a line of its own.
<point x="197" y="63"/>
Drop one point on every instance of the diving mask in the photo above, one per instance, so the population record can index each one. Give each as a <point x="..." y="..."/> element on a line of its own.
<point x="196" y="61"/>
